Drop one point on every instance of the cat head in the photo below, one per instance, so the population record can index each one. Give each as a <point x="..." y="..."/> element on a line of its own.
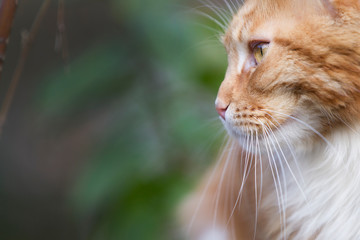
<point x="293" y="69"/>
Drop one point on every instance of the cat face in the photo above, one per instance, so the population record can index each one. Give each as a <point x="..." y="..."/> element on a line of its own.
<point x="293" y="70"/>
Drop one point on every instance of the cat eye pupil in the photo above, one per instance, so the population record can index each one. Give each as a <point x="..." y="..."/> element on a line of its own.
<point x="259" y="52"/>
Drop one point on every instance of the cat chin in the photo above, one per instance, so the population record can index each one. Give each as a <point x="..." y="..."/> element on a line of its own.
<point x="261" y="145"/>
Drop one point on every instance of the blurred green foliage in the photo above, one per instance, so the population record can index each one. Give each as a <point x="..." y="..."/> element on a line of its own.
<point x="155" y="81"/>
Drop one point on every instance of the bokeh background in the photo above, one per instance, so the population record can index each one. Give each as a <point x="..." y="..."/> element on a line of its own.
<point x="105" y="143"/>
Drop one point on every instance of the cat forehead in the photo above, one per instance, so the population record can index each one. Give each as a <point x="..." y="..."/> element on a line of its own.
<point x="252" y="19"/>
<point x="264" y="19"/>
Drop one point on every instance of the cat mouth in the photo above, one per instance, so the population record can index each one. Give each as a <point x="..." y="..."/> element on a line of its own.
<point x="257" y="129"/>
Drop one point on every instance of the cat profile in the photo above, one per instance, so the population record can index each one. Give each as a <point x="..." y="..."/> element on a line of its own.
<point x="290" y="102"/>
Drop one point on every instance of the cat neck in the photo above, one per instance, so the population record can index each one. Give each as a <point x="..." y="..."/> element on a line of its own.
<point x="339" y="150"/>
<point x="324" y="178"/>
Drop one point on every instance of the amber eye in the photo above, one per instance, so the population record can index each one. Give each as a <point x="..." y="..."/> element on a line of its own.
<point x="260" y="51"/>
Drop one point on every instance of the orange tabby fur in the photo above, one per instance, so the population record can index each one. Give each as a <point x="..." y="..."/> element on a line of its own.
<point x="313" y="65"/>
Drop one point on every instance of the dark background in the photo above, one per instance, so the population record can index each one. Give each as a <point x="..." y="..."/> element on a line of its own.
<point x="104" y="144"/>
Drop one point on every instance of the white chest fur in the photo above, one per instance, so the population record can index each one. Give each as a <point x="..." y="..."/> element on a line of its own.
<point x="323" y="203"/>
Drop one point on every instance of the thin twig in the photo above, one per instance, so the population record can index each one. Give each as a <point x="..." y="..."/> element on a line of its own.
<point x="61" y="38"/>
<point x="27" y="42"/>
<point x="7" y="13"/>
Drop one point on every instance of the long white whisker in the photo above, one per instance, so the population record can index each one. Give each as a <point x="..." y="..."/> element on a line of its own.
<point x="242" y="182"/>
<point x="305" y="124"/>
<point x="257" y="201"/>
<point x="288" y="144"/>
<point x="288" y="165"/>
<point x="274" y="178"/>
<point x="235" y="7"/>
<point x="261" y="169"/>
<point x="229" y="7"/>
<point x="221" y="183"/>
<point x="348" y="125"/>
<point x="220" y="12"/>
<point x="217" y="32"/>
<point x="269" y="130"/>
<point x="251" y="148"/>
<point x="281" y="191"/>
<point x="232" y="193"/>
<point x="239" y="3"/>
<point x="220" y="24"/>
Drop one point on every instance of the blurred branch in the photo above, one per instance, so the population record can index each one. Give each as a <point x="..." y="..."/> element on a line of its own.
<point x="28" y="39"/>
<point x="7" y="13"/>
<point x="61" y="39"/>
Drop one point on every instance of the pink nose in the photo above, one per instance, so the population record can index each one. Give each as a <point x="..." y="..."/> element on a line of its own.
<point x="221" y="110"/>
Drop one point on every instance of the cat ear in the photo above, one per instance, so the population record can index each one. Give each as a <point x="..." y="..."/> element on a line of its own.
<point x="333" y="6"/>
<point x="329" y="6"/>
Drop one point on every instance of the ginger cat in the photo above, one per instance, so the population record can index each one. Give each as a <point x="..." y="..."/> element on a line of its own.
<point x="290" y="102"/>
